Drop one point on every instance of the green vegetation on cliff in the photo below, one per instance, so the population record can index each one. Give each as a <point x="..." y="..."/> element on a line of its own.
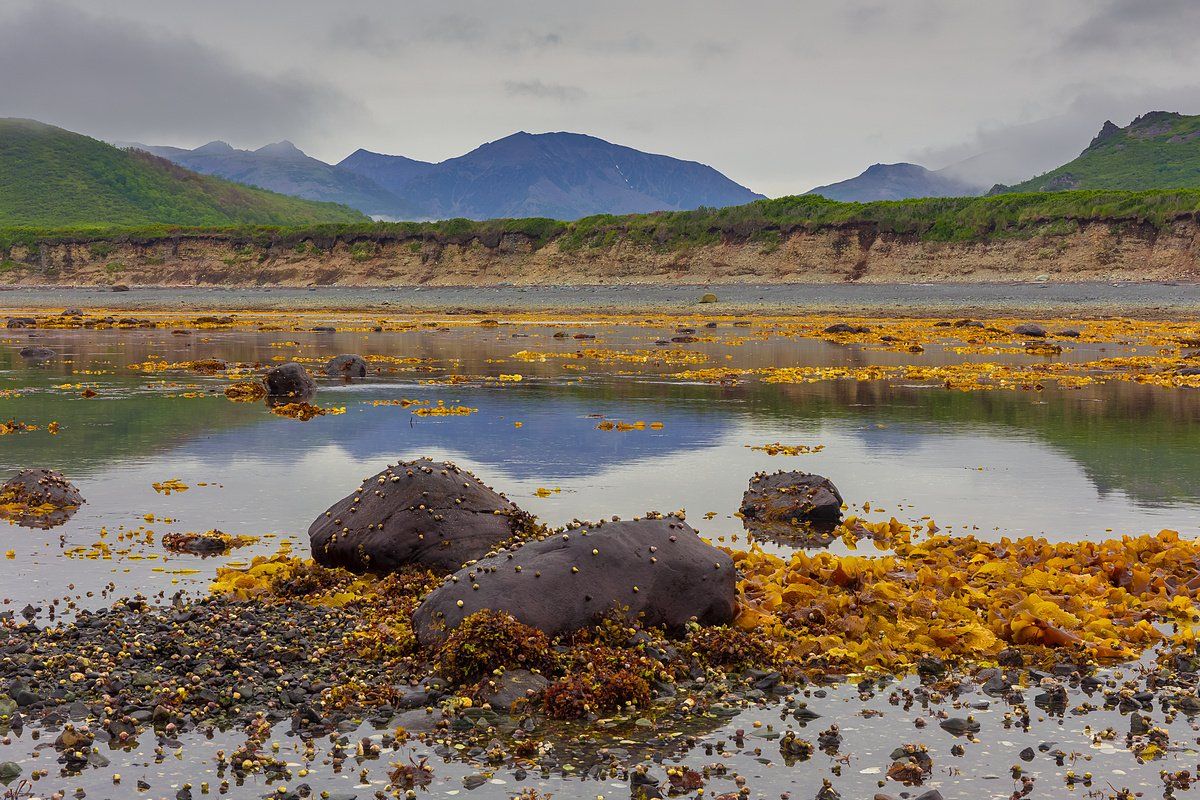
<point x="1159" y="150"/>
<point x="50" y="177"/>
<point x="765" y="222"/>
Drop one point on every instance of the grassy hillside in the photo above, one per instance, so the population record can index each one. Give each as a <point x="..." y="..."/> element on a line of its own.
<point x="766" y="222"/>
<point x="1159" y="150"/>
<point x="50" y="177"/>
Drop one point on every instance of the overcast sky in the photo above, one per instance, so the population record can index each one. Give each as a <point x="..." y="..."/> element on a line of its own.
<point x="781" y="96"/>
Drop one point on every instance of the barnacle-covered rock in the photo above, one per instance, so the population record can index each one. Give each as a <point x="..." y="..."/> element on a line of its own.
<point x="39" y="498"/>
<point x="346" y="366"/>
<point x="788" y="505"/>
<point x="290" y="380"/>
<point x="420" y="512"/>
<point x="656" y="567"/>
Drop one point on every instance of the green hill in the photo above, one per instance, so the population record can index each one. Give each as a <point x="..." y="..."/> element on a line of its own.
<point x="50" y="177"/>
<point x="1158" y="150"/>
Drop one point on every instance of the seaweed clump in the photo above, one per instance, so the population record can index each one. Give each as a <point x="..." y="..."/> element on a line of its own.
<point x="732" y="649"/>
<point x="600" y="689"/>
<point x="488" y="640"/>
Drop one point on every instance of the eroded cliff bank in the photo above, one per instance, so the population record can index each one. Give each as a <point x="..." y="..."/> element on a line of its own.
<point x="1091" y="252"/>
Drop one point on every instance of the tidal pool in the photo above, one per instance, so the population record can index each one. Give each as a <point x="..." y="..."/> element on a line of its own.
<point x="1089" y="463"/>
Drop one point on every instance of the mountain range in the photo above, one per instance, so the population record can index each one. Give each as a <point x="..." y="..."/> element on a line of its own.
<point x="51" y="177"/>
<point x="557" y="175"/>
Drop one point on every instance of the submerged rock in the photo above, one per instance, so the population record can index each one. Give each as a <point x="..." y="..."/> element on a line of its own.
<point x="419" y="512"/>
<point x="657" y="568"/>
<point x="346" y="366"/>
<point x="35" y="353"/>
<point x="39" y="498"/>
<point x="205" y="543"/>
<point x="791" y="497"/>
<point x="290" y="380"/>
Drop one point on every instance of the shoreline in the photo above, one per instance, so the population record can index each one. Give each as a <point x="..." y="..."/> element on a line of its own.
<point x="1146" y="299"/>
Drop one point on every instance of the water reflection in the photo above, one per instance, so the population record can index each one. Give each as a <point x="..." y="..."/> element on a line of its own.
<point x="1066" y="464"/>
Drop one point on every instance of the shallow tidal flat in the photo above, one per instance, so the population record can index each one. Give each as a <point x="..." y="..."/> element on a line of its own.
<point x="1062" y="662"/>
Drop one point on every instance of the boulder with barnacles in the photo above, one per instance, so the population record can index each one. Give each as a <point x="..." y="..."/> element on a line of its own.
<point x="656" y="568"/>
<point x="421" y="513"/>
<point x="39" y="498"/>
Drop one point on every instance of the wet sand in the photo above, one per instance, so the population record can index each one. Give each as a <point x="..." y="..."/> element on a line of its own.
<point x="1145" y="300"/>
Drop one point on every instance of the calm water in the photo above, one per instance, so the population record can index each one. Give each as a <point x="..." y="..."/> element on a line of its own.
<point x="1092" y="463"/>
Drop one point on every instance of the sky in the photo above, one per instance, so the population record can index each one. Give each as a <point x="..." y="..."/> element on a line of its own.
<point x="780" y="96"/>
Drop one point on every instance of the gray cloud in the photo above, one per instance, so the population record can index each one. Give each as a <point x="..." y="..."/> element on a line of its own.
<point x="708" y="51"/>
<point x="780" y="95"/>
<point x="535" y="40"/>
<point x="115" y="79"/>
<point x="380" y="38"/>
<point x="544" y="91"/>
<point x="627" y="44"/>
<point x="1124" y="24"/>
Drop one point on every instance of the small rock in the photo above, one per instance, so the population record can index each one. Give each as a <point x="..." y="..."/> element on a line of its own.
<point x="845" y="327"/>
<point x="790" y="498"/>
<point x="959" y="726"/>
<point x="513" y="690"/>
<point x="9" y="772"/>
<point x="290" y="380"/>
<point x="346" y="366"/>
<point x="1030" y="329"/>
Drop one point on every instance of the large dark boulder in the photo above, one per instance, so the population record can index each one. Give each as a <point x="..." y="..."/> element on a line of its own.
<point x="791" y="497"/>
<point x="39" y="498"/>
<point x="346" y="366"/>
<point x="290" y="380"/>
<point x="420" y="512"/>
<point x="656" y="567"/>
<point x="21" y="322"/>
